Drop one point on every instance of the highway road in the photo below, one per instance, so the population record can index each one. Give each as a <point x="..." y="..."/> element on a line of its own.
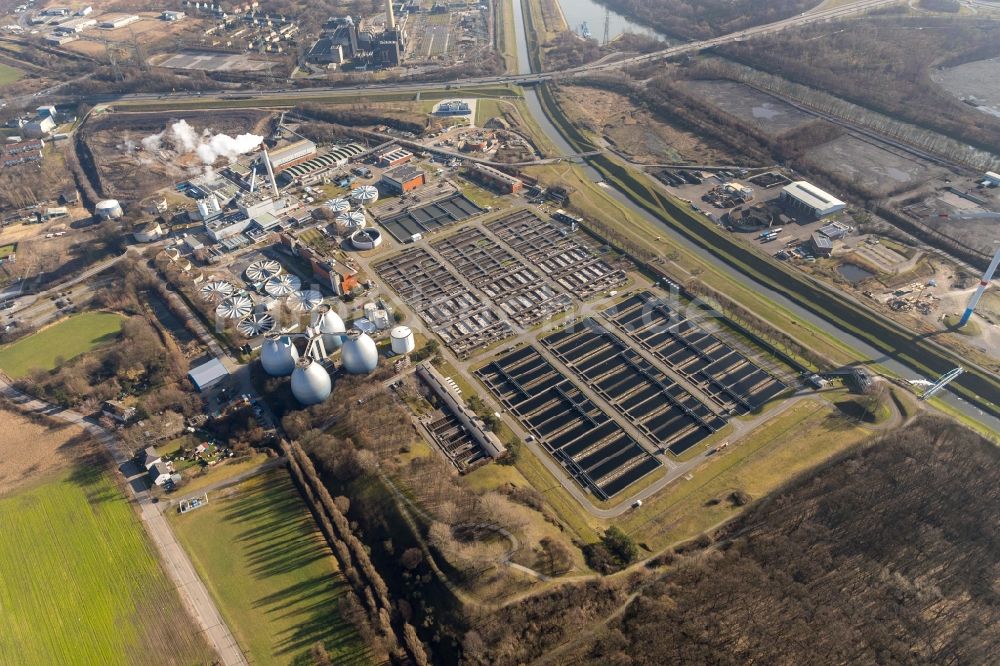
<point x="523" y="77"/>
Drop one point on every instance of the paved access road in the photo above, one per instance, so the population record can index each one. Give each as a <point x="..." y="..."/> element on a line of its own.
<point x="175" y="562"/>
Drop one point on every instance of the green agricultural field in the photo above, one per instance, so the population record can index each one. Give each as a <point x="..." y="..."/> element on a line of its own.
<point x="79" y="583"/>
<point x="67" y="339"/>
<point x="7" y="250"/>
<point x="272" y="574"/>
<point x="9" y="74"/>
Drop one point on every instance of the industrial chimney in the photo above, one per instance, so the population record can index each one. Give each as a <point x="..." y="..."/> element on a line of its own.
<point x="390" y="18"/>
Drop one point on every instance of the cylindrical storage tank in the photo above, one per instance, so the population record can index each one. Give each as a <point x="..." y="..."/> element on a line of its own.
<point x="401" y="340"/>
<point x="311" y="384"/>
<point x="108" y="209"/>
<point x="331" y="327"/>
<point x="278" y="355"/>
<point x="366" y="239"/>
<point x="359" y="355"/>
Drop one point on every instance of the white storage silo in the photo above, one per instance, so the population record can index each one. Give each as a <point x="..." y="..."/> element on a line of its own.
<point x="311" y="384"/>
<point x="401" y="340"/>
<point x="359" y="355"/>
<point x="108" y="209"/>
<point x="278" y="355"/>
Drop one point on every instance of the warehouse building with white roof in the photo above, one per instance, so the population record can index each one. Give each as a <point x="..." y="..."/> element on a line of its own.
<point x="801" y="196"/>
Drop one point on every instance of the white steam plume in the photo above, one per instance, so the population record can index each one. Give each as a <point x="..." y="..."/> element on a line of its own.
<point x="207" y="146"/>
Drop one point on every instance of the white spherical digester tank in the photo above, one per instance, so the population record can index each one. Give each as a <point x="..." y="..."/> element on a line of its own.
<point x="330" y="326"/>
<point x="278" y="355"/>
<point x="311" y="383"/>
<point x="401" y="340"/>
<point x="359" y="355"/>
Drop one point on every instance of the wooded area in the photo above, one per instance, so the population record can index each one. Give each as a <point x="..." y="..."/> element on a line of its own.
<point x="700" y="19"/>
<point x="887" y="555"/>
<point x="885" y="65"/>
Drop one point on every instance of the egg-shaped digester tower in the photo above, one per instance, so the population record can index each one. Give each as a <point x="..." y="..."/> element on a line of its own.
<point x="331" y="327"/>
<point x="311" y="384"/>
<point x="359" y="355"/>
<point x="278" y="355"/>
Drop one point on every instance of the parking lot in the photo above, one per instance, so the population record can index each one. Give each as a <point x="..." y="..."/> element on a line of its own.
<point x="586" y="441"/>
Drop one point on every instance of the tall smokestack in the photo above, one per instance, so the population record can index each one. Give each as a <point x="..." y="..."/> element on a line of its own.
<point x="270" y="174"/>
<point x="390" y="18"/>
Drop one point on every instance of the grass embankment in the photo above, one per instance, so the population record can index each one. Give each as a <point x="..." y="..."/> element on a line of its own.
<point x="79" y="584"/>
<point x="840" y="311"/>
<point x="507" y="36"/>
<point x="67" y="339"/>
<point x="804" y="436"/>
<point x="290" y="100"/>
<point x="9" y="74"/>
<point x="272" y="574"/>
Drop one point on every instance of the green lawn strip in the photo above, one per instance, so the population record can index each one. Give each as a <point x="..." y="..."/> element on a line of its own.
<point x="79" y="584"/>
<point x="792" y="443"/>
<point x="258" y="550"/>
<point x="9" y="74"/>
<point x="67" y="339"/>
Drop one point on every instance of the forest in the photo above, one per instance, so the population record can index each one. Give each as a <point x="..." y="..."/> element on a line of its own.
<point x="886" y="555"/>
<point x="700" y="19"/>
<point x="875" y="65"/>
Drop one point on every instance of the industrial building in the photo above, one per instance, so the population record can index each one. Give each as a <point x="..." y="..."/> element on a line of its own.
<point x="208" y="374"/>
<point x="461" y="436"/>
<point x="393" y="157"/>
<point x="291" y="154"/>
<point x="172" y="16"/>
<point x="313" y="169"/>
<point x="801" y="196"/>
<point x="40" y="126"/>
<point x="403" y="179"/>
<point x="118" y="21"/>
<point x="455" y="107"/>
<point x="496" y="179"/>
<point x="821" y="245"/>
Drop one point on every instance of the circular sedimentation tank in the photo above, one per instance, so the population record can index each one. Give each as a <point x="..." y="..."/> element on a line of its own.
<point x="338" y="205"/>
<point x="282" y="285"/>
<point x="216" y="290"/>
<point x="311" y="384"/>
<point x="305" y="300"/>
<point x="234" y="307"/>
<point x="359" y="355"/>
<point x="365" y="195"/>
<point x="263" y="270"/>
<point x="256" y="324"/>
<point x="278" y="355"/>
